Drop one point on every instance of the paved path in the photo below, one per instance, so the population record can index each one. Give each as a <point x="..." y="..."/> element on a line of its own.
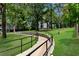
<point x="40" y="51"/>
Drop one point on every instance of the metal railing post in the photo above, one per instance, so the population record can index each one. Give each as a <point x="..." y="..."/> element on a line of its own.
<point x="46" y="48"/>
<point x="51" y="40"/>
<point x="21" y="45"/>
<point x="31" y="41"/>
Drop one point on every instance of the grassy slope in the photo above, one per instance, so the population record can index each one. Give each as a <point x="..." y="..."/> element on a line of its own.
<point x="5" y="46"/>
<point x="65" y="42"/>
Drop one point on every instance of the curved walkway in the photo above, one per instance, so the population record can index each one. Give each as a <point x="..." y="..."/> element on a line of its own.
<point x="41" y="50"/>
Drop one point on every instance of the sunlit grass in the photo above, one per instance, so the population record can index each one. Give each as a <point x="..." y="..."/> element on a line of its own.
<point x="66" y="44"/>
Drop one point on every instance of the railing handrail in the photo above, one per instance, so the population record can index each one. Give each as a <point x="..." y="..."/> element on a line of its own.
<point x="21" y="45"/>
<point x="16" y="47"/>
<point x="16" y="39"/>
<point x="38" y="34"/>
<point x="36" y="48"/>
<point x="47" y="49"/>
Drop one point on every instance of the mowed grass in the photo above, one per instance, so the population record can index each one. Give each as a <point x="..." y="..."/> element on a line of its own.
<point x="66" y="44"/>
<point x="13" y="40"/>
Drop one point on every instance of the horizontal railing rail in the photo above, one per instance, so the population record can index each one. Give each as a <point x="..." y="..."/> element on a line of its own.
<point x="47" y="48"/>
<point x="16" y="47"/>
<point x="21" y="44"/>
<point x="35" y="34"/>
<point x="15" y="39"/>
<point x="36" y="48"/>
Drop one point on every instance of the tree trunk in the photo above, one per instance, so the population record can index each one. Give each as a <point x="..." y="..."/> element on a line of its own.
<point x="4" y="21"/>
<point x="51" y="17"/>
<point x="58" y="25"/>
<point x="37" y="25"/>
<point x="76" y="29"/>
<point x="51" y="24"/>
<point x="14" y="28"/>
<point x="47" y="25"/>
<point x="41" y="24"/>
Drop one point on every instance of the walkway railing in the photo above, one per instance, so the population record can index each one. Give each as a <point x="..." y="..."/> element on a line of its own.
<point x="19" y="46"/>
<point x="46" y="44"/>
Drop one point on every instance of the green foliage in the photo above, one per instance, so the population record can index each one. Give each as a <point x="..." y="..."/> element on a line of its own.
<point x="23" y="15"/>
<point x="71" y="12"/>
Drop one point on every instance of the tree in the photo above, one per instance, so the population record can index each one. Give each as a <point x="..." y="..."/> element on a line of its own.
<point x="58" y="10"/>
<point x="11" y="13"/>
<point x="3" y="20"/>
<point x="37" y="15"/>
<point x="72" y="13"/>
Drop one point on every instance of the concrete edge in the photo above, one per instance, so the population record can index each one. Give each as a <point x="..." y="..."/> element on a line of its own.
<point x="51" y="49"/>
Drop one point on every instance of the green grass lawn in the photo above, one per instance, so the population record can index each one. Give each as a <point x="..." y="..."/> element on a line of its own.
<point x="65" y="42"/>
<point x="12" y="41"/>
